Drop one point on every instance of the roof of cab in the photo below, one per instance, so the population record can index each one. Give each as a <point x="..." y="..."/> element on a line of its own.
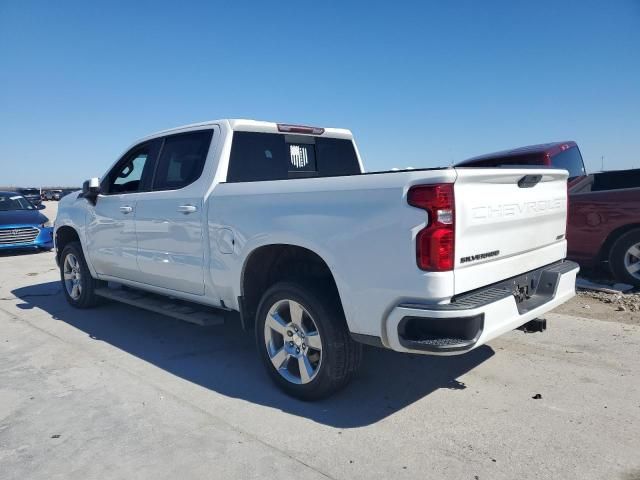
<point x="247" y="125"/>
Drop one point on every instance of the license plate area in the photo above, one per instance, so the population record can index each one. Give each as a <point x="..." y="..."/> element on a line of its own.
<point x="523" y="287"/>
<point x="532" y="289"/>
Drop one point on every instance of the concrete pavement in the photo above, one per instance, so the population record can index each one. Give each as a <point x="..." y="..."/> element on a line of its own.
<point x="116" y="392"/>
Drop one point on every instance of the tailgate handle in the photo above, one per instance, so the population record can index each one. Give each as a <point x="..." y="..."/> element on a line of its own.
<point x="529" y="181"/>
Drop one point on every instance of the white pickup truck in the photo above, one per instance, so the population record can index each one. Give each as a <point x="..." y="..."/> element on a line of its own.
<point x="281" y="224"/>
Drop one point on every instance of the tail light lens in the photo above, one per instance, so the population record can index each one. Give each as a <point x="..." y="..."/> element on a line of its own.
<point x="435" y="244"/>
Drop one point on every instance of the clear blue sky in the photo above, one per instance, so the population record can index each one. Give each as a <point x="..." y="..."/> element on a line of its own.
<point x="420" y="84"/>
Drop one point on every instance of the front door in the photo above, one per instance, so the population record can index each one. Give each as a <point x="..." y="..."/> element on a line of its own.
<point x="111" y="231"/>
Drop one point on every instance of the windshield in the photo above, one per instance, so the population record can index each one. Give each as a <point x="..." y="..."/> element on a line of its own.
<point x="12" y="201"/>
<point x="30" y="191"/>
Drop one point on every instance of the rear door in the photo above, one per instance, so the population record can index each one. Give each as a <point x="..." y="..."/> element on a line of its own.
<point x="169" y="218"/>
<point x="508" y="221"/>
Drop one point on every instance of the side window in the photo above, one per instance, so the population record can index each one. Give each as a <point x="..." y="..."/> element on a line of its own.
<point x="129" y="176"/>
<point x="132" y="172"/>
<point x="182" y="160"/>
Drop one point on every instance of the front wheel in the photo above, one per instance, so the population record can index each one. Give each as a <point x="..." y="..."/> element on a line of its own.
<point x="304" y="342"/>
<point x="77" y="283"/>
<point x="624" y="258"/>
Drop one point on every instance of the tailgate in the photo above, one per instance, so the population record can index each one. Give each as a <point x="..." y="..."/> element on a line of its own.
<point x="508" y="221"/>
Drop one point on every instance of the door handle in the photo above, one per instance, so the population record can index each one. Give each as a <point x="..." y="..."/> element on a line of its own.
<point x="186" y="209"/>
<point x="126" y="209"/>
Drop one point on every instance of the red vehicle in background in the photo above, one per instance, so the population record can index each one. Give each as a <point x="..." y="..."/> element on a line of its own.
<point x="564" y="155"/>
<point x="604" y="208"/>
<point x="604" y="223"/>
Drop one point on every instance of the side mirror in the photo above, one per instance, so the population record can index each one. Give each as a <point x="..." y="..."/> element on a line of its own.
<point x="91" y="189"/>
<point x="41" y="207"/>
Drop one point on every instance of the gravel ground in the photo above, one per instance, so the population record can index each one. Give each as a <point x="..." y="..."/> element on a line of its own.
<point x="610" y="307"/>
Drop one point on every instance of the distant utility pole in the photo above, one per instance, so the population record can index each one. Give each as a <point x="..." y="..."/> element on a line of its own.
<point x="602" y="163"/>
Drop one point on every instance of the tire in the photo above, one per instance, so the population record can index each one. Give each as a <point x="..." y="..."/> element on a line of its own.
<point x="332" y="356"/>
<point x="84" y="296"/>
<point x="624" y="258"/>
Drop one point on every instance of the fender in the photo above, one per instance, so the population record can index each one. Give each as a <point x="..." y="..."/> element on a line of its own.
<point x="72" y="212"/>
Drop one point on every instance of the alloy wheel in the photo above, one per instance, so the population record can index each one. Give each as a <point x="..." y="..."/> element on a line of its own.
<point x="632" y="261"/>
<point x="293" y="342"/>
<point x="72" y="276"/>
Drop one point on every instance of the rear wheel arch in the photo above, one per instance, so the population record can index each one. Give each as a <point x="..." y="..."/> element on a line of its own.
<point x="308" y="354"/>
<point x="270" y="264"/>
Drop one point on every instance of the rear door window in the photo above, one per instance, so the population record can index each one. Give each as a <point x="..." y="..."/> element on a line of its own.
<point x="569" y="160"/>
<point x="273" y="156"/>
<point x="182" y="160"/>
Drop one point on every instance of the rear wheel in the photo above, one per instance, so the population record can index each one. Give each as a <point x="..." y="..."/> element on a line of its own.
<point x="624" y="258"/>
<point x="304" y="342"/>
<point x="77" y="283"/>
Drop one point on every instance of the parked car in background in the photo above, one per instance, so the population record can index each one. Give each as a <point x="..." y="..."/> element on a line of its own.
<point x="564" y="155"/>
<point x="53" y="195"/>
<point x="22" y="225"/>
<point x="67" y="191"/>
<point x="31" y="194"/>
<point x="604" y="223"/>
<point x="280" y="224"/>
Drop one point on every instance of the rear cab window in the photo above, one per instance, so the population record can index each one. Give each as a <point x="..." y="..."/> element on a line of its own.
<point x="259" y="156"/>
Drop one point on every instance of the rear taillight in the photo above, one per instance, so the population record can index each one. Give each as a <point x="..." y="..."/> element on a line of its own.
<point x="435" y="243"/>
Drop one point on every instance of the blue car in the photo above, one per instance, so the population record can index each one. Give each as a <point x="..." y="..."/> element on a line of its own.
<point x="22" y="226"/>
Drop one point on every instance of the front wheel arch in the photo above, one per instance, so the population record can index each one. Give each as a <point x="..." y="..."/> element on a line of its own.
<point x="63" y="236"/>
<point x="86" y="296"/>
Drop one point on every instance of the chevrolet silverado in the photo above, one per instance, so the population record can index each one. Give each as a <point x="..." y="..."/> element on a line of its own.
<point x="281" y="224"/>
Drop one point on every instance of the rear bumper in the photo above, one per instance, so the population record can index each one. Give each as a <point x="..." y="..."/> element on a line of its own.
<point x="474" y="319"/>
